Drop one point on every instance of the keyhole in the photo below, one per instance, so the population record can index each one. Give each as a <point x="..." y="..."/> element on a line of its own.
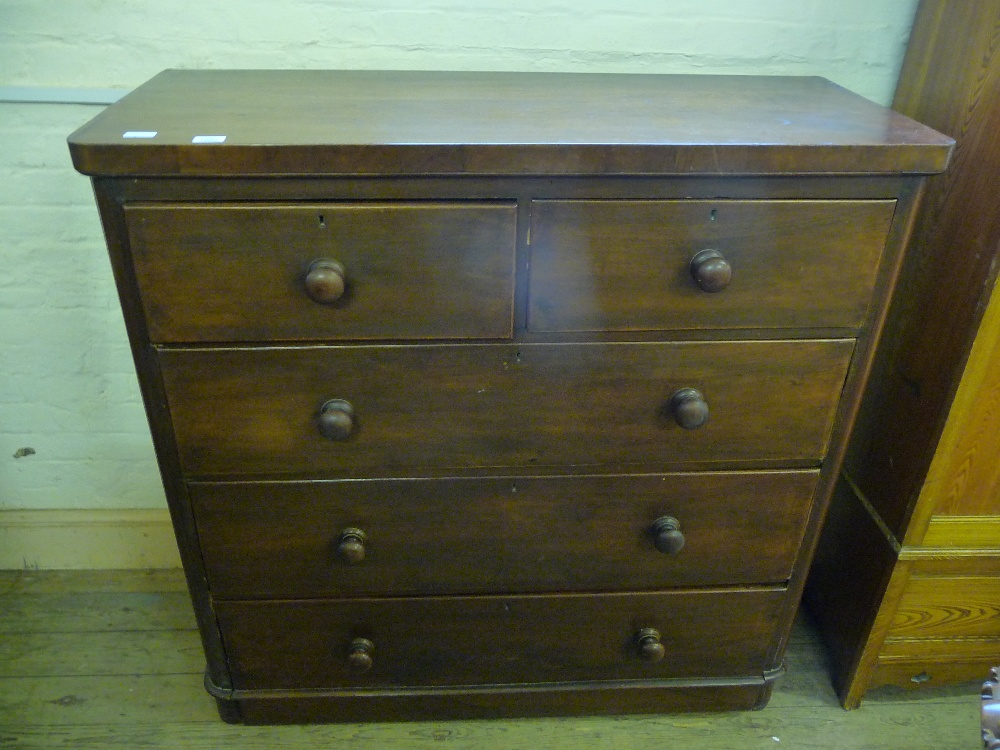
<point x="711" y="215"/>
<point x="322" y="220"/>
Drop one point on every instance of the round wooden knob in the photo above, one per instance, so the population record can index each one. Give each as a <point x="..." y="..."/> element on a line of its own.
<point x="336" y="419"/>
<point x="689" y="408"/>
<point x="325" y="281"/>
<point x="667" y="535"/>
<point x="650" y="647"/>
<point x="351" y="546"/>
<point x="710" y="271"/>
<point x="359" y="655"/>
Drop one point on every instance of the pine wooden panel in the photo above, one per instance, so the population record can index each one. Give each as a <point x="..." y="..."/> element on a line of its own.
<point x="981" y="649"/>
<point x="981" y="532"/>
<point x="927" y="673"/>
<point x="942" y="607"/>
<point x="964" y="477"/>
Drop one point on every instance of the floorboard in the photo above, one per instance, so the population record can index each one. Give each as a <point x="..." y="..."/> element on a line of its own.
<point x="111" y="660"/>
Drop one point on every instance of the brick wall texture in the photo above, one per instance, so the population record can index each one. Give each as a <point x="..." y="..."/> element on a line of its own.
<point x="72" y="429"/>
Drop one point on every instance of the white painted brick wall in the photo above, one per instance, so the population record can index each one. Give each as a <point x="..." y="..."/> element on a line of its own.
<point x="67" y="386"/>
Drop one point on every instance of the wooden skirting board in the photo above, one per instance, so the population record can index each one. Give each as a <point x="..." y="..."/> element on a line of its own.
<point x="87" y="539"/>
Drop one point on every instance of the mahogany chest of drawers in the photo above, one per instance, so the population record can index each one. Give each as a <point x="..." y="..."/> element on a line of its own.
<point x="499" y="394"/>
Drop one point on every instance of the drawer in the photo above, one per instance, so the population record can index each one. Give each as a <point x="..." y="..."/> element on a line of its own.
<point x="396" y="410"/>
<point x="300" y="539"/>
<point x="244" y="272"/>
<point x="627" y="265"/>
<point x="497" y="639"/>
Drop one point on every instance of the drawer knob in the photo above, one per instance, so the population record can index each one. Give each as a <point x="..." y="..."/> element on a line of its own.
<point x="351" y="546"/>
<point x="359" y="655"/>
<point x="336" y="419"/>
<point x="325" y="281"/>
<point x="710" y="271"/>
<point x="650" y="647"/>
<point x="667" y="535"/>
<point x="688" y="408"/>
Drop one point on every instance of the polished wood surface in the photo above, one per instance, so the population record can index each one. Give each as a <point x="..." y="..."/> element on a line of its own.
<point x="336" y="315"/>
<point x="921" y="469"/>
<point x="255" y="411"/>
<point x="409" y="270"/>
<point x="416" y="123"/>
<point x="489" y="640"/>
<point x="626" y="265"/>
<point x="276" y="540"/>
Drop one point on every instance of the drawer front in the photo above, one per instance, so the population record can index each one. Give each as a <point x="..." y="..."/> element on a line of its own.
<point x="260" y="411"/>
<point x="626" y="265"/>
<point x="300" y="539"/>
<point x="497" y="639"/>
<point x="241" y="272"/>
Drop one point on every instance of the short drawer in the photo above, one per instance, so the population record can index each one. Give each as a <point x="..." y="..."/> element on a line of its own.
<point x="628" y="265"/>
<point x="518" y="534"/>
<point x="251" y="272"/>
<point x="497" y="639"/>
<point x="369" y="411"/>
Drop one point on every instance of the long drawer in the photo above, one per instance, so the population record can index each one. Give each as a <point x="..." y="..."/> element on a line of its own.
<point x="394" y="410"/>
<point x="500" y="535"/>
<point x="245" y="272"/>
<point x="635" y="265"/>
<point x="498" y="639"/>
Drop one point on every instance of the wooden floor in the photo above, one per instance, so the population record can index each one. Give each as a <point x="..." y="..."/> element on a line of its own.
<point x="107" y="659"/>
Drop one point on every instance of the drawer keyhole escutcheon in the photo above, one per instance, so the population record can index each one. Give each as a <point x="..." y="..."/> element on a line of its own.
<point x="711" y="271"/>
<point x="688" y="408"/>
<point x="336" y="419"/>
<point x="650" y="646"/>
<point x="351" y="546"/>
<point x="325" y="281"/>
<point x="359" y="655"/>
<point x="667" y="535"/>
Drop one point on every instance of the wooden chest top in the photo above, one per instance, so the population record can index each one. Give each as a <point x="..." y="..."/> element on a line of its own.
<point x="318" y="122"/>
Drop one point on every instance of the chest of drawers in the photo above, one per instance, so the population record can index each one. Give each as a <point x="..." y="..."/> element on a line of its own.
<point x="499" y="394"/>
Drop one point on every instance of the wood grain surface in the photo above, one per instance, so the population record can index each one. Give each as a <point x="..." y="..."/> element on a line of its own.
<point x="486" y="640"/>
<point x="413" y="270"/>
<point x="416" y="123"/>
<point x="625" y="265"/>
<point x="419" y="408"/>
<point x="277" y="540"/>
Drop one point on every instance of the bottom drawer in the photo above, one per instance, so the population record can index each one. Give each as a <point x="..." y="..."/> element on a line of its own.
<point x="498" y="639"/>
